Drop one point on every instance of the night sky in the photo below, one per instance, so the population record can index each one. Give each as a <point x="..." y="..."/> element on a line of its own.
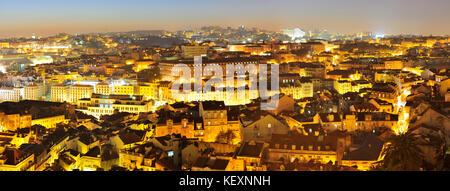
<point x="47" y="17"/>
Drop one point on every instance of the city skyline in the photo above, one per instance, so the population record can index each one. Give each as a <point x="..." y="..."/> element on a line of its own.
<point x="44" y="18"/>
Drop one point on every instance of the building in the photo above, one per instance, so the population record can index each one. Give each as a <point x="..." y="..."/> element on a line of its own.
<point x="148" y="90"/>
<point x="310" y="145"/>
<point x="32" y="92"/>
<point x="124" y="90"/>
<point x="366" y="155"/>
<point x="77" y="92"/>
<point x="345" y="86"/>
<point x="184" y="127"/>
<point x="103" y="88"/>
<point x="369" y="121"/>
<point x="298" y="89"/>
<point x="385" y="91"/>
<point x="10" y="94"/>
<point x="261" y="128"/>
<point x="98" y="105"/>
<point x="12" y="159"/>
<point x="189" y="51"/>
<point x="14" y="121"/>
<point x="217" y="120"/>
<point x="50" y="122"/>
<point x="251" y="153"/>
<point x="59" y="93"/>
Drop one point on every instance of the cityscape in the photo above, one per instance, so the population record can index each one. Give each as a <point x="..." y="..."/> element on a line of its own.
<point x="295" y="99"/>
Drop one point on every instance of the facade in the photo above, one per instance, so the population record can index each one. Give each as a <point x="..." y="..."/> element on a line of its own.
<point x="184" y="127"/>
<point x="32" y="92"/>
<point x="319" y="147"/>
<point x="10" y="94"/>
<point x="14" y="121"/>
<point x="98" y="105"/>
<point x="50" y="122"/>
<point x="103" y="88"/>
<point x="194" y="50"/>
<point x="250" y="154"/>
<point x="300" y="89"/>
<point x="262" y="129"/>
<point x="12" y="159"/>
<point x="369" y="121"/>
<point x="77" y="92"/>
<point x="148" y="90"/>
<point x="59" y="93"/>
<point x="216" y="120"/>
<point x="124" y="90"/>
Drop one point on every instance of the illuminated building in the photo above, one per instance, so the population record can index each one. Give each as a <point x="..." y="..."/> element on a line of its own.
<point x="10" y="94"/>
<point x="98" y="105"/>
<point x="103" y="88"/>
<point x="148" y="90"/>
<point x="389" y="64"/>
<point x="315" y="47"/>
<point x="369" y="121"/>
<point x="215" y="121"/>
<point x="14" y="139"/>
<point x="304" y="69"/>
<point x="189" y="51"/>
<point x="141" y="160"/>
<point x="59" y="93"/>
<point x="77" y="92"/>
<point x="236" y="47"/>
<point x="14" y="121"/>
<point x="235" y="98"/>
<point x="123" y="90"/>
<point x="349" y="75"/>
<point x="309" y="145"/>
<point x="254" y="50"/>
<point x="330" y="121"/>
<point x="140" y="65"/>
<point x="261" y="128"/>
<point x="12" y="159"/>
<point x="343" y="86"/>
<point x="444" y="86"/>
<point x="183" y="127"/>
<point x="166" y="66"/>
<point x="385" y="91"/>
<point x="50" y="122"/>
<point x="32" y="92"/>
<point x="164" y="90"/>
<point x="4" y="45"/>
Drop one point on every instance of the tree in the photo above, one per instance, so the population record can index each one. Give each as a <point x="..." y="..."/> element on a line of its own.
<point x="402" y="153"/>
<point x="150" y="75"/>
<point x="226" y="137"/>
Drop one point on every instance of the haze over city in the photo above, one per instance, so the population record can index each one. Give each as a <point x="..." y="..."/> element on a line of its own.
<point x="48" y="17"/>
